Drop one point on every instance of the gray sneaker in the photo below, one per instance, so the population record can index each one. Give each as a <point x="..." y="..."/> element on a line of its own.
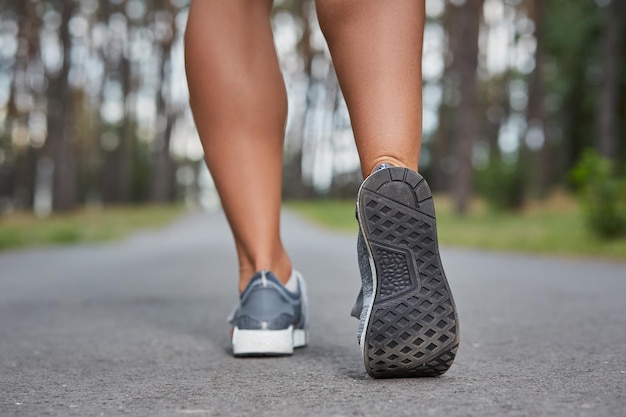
<point x="409" y="324"/>
<point x="269" y="320"/>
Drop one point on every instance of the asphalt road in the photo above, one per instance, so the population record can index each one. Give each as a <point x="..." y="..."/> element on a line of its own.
<point x="138" y="328"/>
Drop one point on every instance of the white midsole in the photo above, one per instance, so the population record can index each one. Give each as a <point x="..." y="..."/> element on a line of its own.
<point x="268" y="342"/>
<point x="300" y="338"/>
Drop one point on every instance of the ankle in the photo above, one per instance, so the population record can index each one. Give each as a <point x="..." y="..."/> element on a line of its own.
<point x="279" y="265"/>
<point x="371" y="165"/>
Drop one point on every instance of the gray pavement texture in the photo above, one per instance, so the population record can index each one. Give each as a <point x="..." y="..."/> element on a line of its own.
<point x="138" y="328"/>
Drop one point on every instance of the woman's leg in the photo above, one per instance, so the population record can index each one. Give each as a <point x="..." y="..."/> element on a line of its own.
<point x="377" y="51"/>
<point x="408" y="321"/>
<point x="240" y="105"/>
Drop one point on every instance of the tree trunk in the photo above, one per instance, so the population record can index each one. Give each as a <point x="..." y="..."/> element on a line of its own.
<point x="61" y="123"/>
<point x="127" y="136"/>
<point x="163" y="176"/>
<point x="25" y="176"/>
<point x="466" y="63"/>
<point x="117" y="168"/>
<point x="535" y="112"/>
<point x="607" y="113"/>
<point x="116" y="172"/>
<point x="293" y="183"/>
<point x="25" y="156"/>
<point x="442" y="148"/>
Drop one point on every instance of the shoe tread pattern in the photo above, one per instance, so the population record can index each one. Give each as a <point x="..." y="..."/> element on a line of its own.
<point x="413" y="327"/>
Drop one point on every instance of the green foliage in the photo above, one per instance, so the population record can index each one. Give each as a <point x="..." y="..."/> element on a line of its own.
<point x="502" y="185"/>
<point x="602" y="193"/>
<point x="572" y="30"/>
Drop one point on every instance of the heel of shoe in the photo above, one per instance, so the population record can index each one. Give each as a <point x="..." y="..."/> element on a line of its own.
<point x="263" y="342"/>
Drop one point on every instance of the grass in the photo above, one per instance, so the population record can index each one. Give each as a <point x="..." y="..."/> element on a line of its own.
<point x="19" y="230"/>
<point x="552" y="227"/>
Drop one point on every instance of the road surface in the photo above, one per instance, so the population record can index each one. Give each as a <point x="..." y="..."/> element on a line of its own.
<point x="138" y="328"/>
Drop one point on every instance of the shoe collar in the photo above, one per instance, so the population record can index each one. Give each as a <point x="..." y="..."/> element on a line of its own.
<point x="265" y="278"/>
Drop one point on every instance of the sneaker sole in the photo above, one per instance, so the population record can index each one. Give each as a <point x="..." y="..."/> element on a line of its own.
<point x="411" y="327"/>
<point x="268" y="342"/>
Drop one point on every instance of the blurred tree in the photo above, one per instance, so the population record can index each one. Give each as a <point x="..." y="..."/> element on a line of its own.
<point x="61" y="106"/>
<point x="571" y="31"/>
<point x="612" y="74"/>
<point x="442" y="150"/>
<point x="22" y="101"/>
<point x="293" y="179"/>
<point x="465" y="52"/>
<point x="116" y="141"/>
<point x="535" y="113"/>
<point x="163" y="175"/>
<point x="74" y="72"/>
